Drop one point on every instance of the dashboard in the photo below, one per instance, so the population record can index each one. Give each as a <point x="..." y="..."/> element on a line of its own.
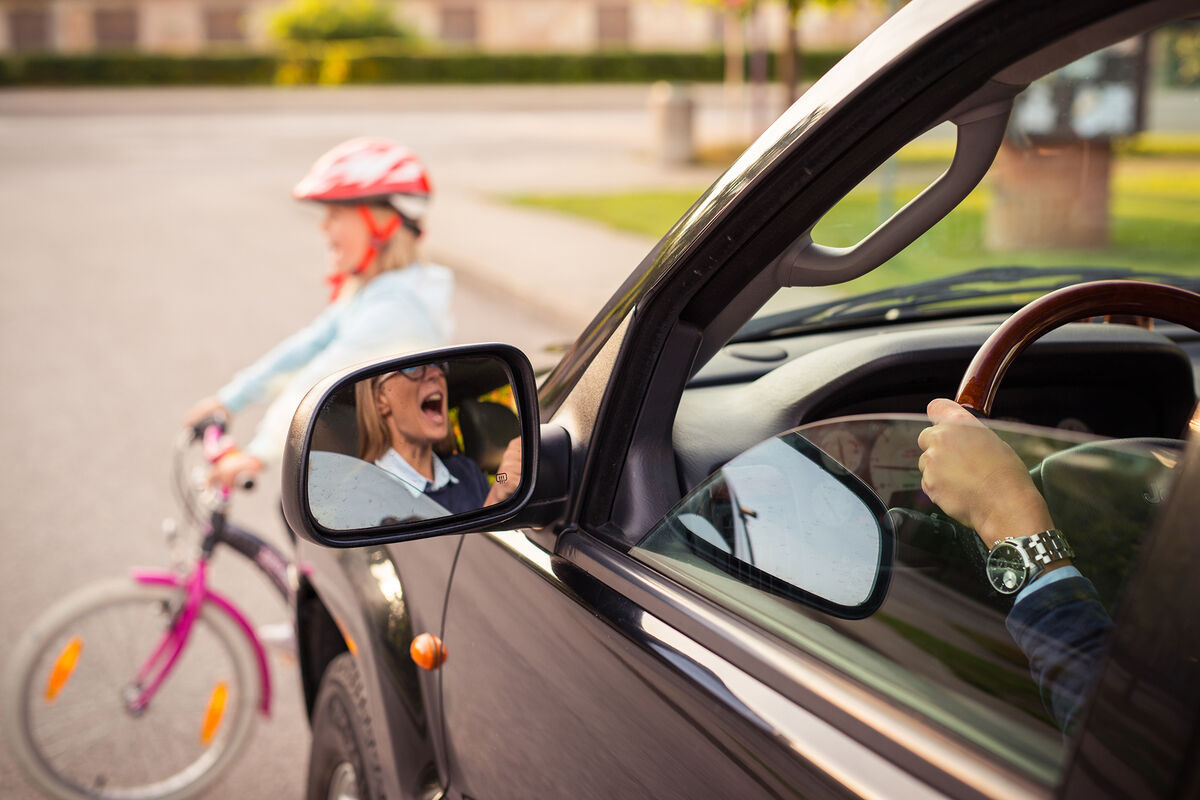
<point x="1110" y="380"/>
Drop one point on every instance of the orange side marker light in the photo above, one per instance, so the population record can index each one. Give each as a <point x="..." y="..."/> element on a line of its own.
<point x="64" y="667"/>
<point x="214" y="713"/>
<point x="427" y="651"/>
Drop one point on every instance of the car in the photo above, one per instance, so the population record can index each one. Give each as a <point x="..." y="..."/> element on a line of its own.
<point x="711" y="568"/>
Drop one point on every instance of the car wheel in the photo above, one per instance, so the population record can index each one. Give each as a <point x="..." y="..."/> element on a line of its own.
<point x="344" y="762"/>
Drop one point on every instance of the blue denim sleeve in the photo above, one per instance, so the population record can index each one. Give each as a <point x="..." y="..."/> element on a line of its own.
<point x="1063" y="629"/>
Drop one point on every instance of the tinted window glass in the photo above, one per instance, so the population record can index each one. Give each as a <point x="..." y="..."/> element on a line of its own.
<point x="943" y="642"/>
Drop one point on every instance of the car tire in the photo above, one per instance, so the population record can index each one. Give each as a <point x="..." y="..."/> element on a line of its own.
<point x="344" y="761"/>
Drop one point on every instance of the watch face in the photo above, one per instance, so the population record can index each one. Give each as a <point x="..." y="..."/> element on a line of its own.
<point x="1006" y="568"/>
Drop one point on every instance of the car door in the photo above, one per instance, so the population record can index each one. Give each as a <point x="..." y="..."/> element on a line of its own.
<point x="584" y="673"/>
<point x="566" y="679"/>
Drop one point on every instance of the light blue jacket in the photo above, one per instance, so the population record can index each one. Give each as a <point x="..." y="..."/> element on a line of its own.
<point x="395" y="313"/>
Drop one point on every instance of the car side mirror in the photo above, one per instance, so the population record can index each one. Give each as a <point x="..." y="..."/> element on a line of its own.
<point x="787" y="519"/>
<point x="429" y="444"/>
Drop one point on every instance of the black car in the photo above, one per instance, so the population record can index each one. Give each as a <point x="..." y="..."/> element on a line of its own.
<point x="705" y="565"/>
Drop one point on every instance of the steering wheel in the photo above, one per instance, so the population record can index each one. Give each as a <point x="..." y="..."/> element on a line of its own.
<point x="978" y="388"/>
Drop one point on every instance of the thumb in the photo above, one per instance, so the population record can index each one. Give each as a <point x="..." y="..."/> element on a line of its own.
<point x="942" y="409"/>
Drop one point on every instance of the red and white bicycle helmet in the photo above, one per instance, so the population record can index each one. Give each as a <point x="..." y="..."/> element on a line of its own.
<point x="370" y="171"/>
<point x="365" y="172"/>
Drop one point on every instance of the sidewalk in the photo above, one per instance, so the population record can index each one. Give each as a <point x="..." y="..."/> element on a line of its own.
<point x="560" y="267"/>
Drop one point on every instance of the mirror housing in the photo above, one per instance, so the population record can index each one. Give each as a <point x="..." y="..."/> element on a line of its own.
<point x="360" y="483"/>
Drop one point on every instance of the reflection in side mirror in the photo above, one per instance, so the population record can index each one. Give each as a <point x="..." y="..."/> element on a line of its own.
<point x="415" y="441"/>
<point x="787" y="519"/>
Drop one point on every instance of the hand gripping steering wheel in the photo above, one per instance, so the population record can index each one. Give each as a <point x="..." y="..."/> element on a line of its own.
<point x="978" y="388"/>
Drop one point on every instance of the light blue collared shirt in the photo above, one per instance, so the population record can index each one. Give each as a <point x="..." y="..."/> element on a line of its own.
<point x="394" y="463"/>
<point x="1045" y="579"/>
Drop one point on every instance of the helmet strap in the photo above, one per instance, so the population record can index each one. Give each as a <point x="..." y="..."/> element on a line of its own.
<point x="379" y="237"/>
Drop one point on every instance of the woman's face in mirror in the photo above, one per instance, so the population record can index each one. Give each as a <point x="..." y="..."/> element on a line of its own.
<point x="413" y="404"/>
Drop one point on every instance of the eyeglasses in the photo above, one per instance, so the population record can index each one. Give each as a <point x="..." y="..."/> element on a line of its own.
<point x="419" y="372"/>
<point x="413" y="373"/>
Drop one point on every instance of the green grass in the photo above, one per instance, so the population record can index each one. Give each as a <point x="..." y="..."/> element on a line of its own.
<point x="648" y="213"/>
<point x="1155" y="222"/>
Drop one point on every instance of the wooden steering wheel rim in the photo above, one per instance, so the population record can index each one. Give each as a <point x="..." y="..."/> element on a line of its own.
<point x="1160" y="301"/>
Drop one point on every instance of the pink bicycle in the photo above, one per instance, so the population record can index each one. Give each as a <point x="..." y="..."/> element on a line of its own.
<point x="146" y="687"/>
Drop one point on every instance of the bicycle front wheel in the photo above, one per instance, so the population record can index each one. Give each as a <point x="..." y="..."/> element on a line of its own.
<point x="68" y="686"/>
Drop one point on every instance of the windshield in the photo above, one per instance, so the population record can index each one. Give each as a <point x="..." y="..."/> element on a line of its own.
<point x="1098" y="177"/>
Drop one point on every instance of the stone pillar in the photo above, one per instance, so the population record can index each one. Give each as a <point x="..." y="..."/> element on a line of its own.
<point x="674" y="110"/>
<point x="1051" y="195"/>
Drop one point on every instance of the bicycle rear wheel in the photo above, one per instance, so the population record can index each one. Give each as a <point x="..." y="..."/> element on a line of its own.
<point x="66" y="687"/>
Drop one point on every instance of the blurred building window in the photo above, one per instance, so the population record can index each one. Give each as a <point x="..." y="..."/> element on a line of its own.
<point x="612" y="24"/>
<point x="29" y="29"/>
<point x="116" y="27"/>
<point x="224" y="24"/>
<point x="460" y="24"/>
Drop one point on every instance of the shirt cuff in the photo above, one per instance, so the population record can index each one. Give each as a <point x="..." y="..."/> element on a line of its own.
<point x="1044" y="579"/>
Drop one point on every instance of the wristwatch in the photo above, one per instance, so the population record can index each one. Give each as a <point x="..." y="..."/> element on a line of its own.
<point x="1014" y="562"/>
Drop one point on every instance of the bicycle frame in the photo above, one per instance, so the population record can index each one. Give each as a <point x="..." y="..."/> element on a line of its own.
<point x="196" y="594"/>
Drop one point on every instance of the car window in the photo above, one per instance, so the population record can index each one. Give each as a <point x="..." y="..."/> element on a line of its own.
<point x="1098" y="177"/>
<point x="939" y="641"/>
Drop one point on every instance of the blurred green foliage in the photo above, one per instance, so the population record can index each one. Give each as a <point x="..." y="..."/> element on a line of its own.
<point x="336" y="20"/>
<point x="132" y="69"/>
<point x="370" y="62"/>
<point x="1182" y="54"/>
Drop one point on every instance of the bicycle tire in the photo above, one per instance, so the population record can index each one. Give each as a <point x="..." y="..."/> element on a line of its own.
<point x="83" y="743"/>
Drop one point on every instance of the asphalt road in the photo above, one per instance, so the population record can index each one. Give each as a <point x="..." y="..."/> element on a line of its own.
<point x="150" y="248"/>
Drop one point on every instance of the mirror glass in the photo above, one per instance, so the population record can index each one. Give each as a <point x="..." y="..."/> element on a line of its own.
<point x="785" y="518"/>
<point x="431" y="440"/>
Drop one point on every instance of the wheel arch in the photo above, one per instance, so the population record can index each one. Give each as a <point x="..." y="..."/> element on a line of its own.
<point x="318" y="642"/>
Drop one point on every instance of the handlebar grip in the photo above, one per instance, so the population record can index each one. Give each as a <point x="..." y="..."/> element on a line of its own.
<point x="218" y="421"/>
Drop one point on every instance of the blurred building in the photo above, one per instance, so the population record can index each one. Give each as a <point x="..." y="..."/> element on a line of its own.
<point x="84" y="26"/>
<point x="189" y="26"/>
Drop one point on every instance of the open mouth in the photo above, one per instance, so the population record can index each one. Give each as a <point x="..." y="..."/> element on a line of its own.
<point x="434" y="408"/>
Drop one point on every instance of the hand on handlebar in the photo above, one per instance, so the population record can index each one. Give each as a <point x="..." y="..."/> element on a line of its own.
<point x="976" y="478"/>
<point x="235" y="469"/>
<point x="230" y="467"/>
<point x="210" y="408"/>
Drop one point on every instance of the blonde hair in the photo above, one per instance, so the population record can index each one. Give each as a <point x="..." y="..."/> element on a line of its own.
<point x="400" y="250"/>
<point x="374" y="438"/>
<point x="374" y="435"/>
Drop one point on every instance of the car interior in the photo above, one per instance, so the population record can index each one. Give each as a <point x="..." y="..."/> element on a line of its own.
<point x="1111" y="377"/>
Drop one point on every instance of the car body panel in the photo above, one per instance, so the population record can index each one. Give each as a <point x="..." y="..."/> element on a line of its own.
<point x="599" y="680"/>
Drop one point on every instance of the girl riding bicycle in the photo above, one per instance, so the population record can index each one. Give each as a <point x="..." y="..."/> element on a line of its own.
<point x="384" y="300"/>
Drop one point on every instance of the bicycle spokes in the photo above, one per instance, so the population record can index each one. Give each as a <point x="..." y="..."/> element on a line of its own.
<point x="64" y="667"/>
<point x="214" y="713"/>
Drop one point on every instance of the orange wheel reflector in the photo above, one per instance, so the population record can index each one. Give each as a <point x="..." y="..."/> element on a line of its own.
<point x="64" y="666"/>
<point x="214" y="713"/>
<point x="427" y="651"/>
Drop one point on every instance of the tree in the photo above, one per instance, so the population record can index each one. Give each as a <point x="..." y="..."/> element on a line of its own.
<point x="790" y="67"/>
<point x="331" y="20"/>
